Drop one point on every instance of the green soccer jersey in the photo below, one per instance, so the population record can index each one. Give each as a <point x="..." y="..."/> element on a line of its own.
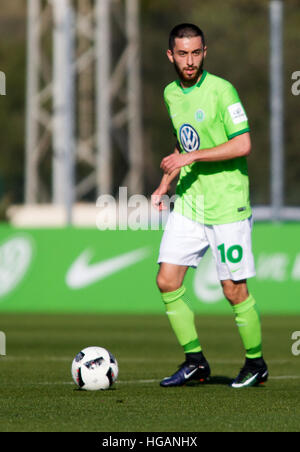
<point x="204" y="116"/>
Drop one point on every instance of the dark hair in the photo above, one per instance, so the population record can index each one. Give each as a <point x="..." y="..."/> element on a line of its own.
<point x="185" y="31"/>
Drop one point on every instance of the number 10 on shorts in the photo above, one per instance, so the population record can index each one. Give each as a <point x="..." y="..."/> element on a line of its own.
<point x="234" y="254"/>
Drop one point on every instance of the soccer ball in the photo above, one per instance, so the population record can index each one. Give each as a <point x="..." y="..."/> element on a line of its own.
<point x="94" y="368"/>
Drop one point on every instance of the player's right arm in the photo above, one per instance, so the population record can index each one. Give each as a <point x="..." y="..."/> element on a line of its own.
<point x="164" y="185"/>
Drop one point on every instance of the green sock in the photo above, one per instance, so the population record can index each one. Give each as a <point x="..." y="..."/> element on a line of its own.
<point x="248" y="323"/>
<point x="182" y="320"/>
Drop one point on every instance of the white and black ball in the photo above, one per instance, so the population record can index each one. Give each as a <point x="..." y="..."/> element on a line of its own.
<point x="94" y="368"/>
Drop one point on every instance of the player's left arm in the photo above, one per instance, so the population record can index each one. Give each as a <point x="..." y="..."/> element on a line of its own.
<point x="238" y="146"/>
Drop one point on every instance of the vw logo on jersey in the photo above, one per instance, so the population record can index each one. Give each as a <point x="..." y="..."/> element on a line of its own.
<point x="189" y="138"/>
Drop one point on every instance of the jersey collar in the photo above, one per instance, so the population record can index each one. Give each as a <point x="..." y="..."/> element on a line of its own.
<point x="197" y="85"/>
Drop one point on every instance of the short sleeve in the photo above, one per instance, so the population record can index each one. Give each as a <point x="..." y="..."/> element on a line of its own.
<point x="233" y="113"/>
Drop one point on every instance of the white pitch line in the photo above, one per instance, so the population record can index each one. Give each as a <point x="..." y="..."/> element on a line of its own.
<point x="285" y="377"/>
<point x="136" y="381"/>
<point x="150" y="381"/>
<point x="45" y="383"/>
<point x="129" y="360"/>
<point x="280" y="377"/>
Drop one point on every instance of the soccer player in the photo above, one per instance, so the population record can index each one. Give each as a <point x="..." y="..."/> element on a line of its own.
<point x="212" y="208"/>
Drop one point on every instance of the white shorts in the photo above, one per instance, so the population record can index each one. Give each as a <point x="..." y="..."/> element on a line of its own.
<point x="185" y="242"/>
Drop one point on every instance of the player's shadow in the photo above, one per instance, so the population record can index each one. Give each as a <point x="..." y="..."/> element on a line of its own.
<point x="220" y="380"/>
<point x="216" y="380"/>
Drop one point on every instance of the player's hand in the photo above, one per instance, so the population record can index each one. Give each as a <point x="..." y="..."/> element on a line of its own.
<point x="156" y="198"/>
<point x="175" y="161"/>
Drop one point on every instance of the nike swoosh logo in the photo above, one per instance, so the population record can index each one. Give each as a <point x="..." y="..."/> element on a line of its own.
<point x="245" y="383"/>
<point x="83" y="274"/>
<point x="171" y="313"/>
<point x="186" y="376"/>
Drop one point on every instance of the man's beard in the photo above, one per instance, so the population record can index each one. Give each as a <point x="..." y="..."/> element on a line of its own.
<point x="187" y="80"/>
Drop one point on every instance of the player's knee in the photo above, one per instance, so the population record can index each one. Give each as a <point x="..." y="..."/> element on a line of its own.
<point x="235" y="292"/>
<point x="165" y="284"/>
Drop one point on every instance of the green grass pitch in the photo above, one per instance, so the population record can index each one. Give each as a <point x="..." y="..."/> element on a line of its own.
<point x="37" y="393"/>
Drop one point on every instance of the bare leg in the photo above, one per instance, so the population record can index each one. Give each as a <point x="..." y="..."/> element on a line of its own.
<point x="235" y="291"/>
<point x="170" y="277"/>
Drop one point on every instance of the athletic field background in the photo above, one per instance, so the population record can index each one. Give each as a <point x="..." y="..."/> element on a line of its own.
<point x="38" y="394"/>
<point x="62" y="290"/>
<point x="90" y="271"/>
